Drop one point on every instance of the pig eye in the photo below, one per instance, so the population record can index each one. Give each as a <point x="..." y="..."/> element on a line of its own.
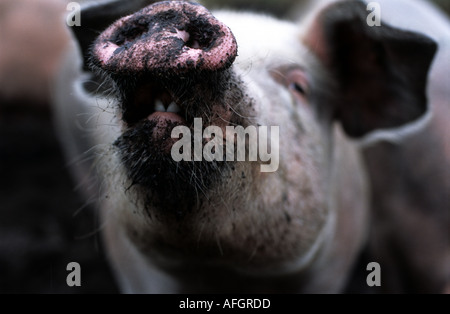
<point x="297" y="82"/>
<point x="294" y="79"/>
<point x="297" y="88"/>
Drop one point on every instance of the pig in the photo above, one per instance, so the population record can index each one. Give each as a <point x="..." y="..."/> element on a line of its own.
<point x="410" y="176"/>
<point x="137" y="70"/>
<point x="25" y="24"/>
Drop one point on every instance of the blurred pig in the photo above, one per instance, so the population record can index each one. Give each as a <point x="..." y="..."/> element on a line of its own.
<point x="225" y="226"/>
<point x="33" y="39"/>
<point x="410" y="175"/>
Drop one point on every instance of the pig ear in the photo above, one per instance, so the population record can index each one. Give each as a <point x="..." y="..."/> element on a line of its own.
<point x="381" y="71"/>
<point x="96" y="16"/>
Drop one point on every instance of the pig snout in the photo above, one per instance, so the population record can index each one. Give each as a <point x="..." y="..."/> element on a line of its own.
<point x="170" y="64"/>
<point x="171" y="37"/>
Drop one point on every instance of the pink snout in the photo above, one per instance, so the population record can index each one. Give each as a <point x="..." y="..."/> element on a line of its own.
<point x="166" y="38"/>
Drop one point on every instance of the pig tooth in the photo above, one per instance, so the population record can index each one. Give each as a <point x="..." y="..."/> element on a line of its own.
<point x="159" y="106"/>
<point x="173" y="107"/>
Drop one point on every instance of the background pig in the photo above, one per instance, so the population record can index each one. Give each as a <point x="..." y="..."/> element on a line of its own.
<point x="227" y="227"/>
<point x="21" y="76"/>
<point x="410" y="176"/>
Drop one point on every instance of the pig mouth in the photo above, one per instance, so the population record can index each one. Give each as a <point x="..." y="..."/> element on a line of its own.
<point x="148" y="99"/>
<point x="150" y="112"/>
<point x="152" y="105"/>
<point x="176" y="102"/>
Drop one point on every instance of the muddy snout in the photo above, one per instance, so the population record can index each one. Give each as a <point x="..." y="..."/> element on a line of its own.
<point x="168" y="66"/>
<point x="166" y="38"/>
<point x="169" y="62"/>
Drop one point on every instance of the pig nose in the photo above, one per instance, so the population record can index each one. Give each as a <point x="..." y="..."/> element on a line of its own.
<point x="166" y="38"/>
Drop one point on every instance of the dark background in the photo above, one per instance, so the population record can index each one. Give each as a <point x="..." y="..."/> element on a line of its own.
<point x="44" y="224"/>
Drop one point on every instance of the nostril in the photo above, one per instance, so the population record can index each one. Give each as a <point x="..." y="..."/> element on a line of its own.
<point x="198" y="38"/>
<point x="129" y="33"/>
<point x="193" y="43"/>
<point x="202" y="36"/>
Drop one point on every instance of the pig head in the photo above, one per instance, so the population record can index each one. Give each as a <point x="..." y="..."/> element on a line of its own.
<point x="225" y="226"/>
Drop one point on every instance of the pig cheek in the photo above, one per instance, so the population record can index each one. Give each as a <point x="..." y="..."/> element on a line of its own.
<point x="304" y="170"/>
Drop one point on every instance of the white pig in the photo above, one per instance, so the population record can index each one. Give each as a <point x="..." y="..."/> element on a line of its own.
<point x="202" y="226"/>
